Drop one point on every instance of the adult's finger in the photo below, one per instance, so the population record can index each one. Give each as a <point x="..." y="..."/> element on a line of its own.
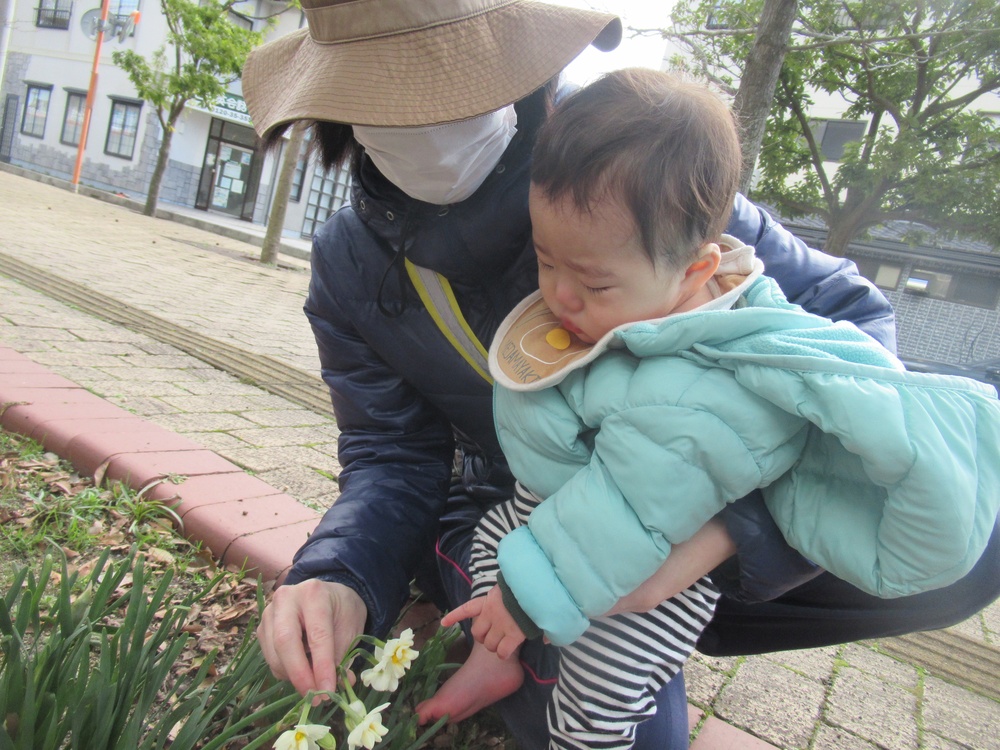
<point x="307" y="629"/>
<point x="264" y="631"/>
<point x="333" y="617"/>
<point x="282" y="637"/>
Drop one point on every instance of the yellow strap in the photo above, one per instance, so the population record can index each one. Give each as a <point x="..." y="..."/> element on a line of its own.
<point x="451" y="322"/>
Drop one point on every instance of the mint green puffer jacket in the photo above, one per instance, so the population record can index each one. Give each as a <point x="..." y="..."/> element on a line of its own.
<point x="888" y="479"/>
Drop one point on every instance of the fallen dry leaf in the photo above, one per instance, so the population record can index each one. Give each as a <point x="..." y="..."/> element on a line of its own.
<point x="160" y="556"/>
<point x="237" y="612"/>
<point x="100" y="472"/>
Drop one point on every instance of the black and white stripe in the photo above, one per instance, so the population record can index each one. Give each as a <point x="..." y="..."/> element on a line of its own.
<point x="607" y="678"/>
<point x="497" y="523"/>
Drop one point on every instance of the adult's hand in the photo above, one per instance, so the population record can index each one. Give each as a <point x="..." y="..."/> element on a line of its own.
<point x="306" y="630"/>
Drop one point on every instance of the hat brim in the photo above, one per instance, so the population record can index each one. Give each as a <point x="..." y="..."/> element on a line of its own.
<point x="446" y="73"/>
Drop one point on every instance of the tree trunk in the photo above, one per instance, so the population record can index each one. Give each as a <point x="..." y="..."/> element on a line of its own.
<point x="282" y="190"/>
<point x="158" y="171"/>
<point x="760" y="76"/>
<point x="842" y="231"/>
<point x="859" y="210"/>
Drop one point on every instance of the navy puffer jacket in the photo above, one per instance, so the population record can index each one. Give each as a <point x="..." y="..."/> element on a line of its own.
<point x="405" y="400"/>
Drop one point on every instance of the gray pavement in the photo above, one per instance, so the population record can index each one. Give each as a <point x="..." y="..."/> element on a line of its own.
<point x="131" y="308"/>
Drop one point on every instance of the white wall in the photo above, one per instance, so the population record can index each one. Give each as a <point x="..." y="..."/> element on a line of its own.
<point x="64" y="58"/>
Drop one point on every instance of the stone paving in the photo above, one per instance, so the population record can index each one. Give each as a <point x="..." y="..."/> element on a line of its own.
<point x="850" y="697"/>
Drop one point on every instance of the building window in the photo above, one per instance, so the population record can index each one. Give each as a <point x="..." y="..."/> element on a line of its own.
<point x="53" y="14"/>
<point x="36" y="110"/>
<point x="834" y="135"/>
<point x="123" y="128"/>
<point x="76" y="103"/>
<point x="328" y="192"/>
<point x="881" y="274"/>
<point x="121" y="15"/>
<point x="978" y="291"/>
<point x="964" y="288"/>
<point x="301" y="165"/>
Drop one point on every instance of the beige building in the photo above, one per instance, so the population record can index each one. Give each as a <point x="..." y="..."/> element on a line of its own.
<point x="47" y="49"/>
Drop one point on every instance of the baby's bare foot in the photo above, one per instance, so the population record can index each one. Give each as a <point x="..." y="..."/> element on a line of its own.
<point x="481" y="681"/>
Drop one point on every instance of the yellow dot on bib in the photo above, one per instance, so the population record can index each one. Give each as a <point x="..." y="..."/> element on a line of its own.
<point x="557" y="338"/>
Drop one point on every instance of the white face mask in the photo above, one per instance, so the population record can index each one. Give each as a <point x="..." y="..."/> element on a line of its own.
<point x="440" y="163"/>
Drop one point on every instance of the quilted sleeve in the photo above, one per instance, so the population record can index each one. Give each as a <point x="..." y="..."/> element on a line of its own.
<point x="657" y="472"/>
<point x="902" y="474"/>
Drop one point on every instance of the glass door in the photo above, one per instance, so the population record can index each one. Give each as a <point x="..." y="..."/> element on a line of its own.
<point x="232" y="175"/>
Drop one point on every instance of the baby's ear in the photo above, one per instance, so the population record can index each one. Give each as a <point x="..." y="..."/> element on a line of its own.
<point x="704" y="266"/>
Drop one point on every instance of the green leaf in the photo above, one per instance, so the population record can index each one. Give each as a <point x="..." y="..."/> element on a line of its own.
<point x="917" y="72"/>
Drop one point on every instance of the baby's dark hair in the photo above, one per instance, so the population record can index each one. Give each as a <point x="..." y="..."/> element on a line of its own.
<point x="667" y="149"/>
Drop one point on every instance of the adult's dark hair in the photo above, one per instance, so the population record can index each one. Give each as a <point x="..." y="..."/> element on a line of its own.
<point x="666" y="148"/>
<point x="334" y="143"/>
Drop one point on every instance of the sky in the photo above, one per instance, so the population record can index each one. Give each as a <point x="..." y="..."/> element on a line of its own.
<point x="641" y="51"/>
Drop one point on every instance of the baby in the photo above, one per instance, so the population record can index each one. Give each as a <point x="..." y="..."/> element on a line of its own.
<point x="658" y="375"/>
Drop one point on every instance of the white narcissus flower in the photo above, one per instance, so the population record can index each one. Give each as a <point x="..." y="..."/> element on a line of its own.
<point x="369" y="731"/>
<point x="304" y="737"/>
<point x="400" y="651"/>
<point x="394" y="658"/>
<point x="380" y="678"/>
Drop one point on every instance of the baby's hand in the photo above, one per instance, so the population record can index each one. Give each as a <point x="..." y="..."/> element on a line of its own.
<point x="492" y="624"/>
<point x="495" y="628"/>
<point x="470" y="609"/>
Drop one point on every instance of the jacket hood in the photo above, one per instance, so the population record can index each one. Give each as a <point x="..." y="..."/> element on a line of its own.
<point x="532" y="351"/>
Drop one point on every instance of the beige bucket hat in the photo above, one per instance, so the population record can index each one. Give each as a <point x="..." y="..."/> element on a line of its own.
<point x="397" y="63"/>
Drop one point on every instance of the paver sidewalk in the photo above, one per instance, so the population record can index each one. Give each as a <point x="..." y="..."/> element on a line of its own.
<point x="69" y="264"/>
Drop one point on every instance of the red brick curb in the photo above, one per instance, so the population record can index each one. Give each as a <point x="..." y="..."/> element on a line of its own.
<point x="242" y="520"/>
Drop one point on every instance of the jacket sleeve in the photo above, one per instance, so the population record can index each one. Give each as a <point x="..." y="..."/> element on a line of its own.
<point x="765" y="565"/>
<point x="658" y="472"/>
<point x="909" y="498"/>
<point x="396" y="451"/>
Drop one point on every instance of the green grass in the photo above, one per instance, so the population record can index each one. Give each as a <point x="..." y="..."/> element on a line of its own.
<point x="45" y="508"/>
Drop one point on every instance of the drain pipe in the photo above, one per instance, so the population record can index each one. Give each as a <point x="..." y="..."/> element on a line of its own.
<point x="7" y="11"/>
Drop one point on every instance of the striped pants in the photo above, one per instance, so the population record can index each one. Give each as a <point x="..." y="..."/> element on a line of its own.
<point x="609" y="676"/>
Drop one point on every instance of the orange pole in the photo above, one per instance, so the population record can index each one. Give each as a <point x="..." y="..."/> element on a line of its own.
<point x="91" y="94"/>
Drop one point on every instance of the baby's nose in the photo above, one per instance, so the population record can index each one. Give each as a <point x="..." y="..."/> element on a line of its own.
<point x="568" y="297"/>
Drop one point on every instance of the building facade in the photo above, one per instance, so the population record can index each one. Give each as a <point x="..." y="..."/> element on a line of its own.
<point x="216" y="163"/>
<point x="946" y="293"/>
<point x="947" y="298"/>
